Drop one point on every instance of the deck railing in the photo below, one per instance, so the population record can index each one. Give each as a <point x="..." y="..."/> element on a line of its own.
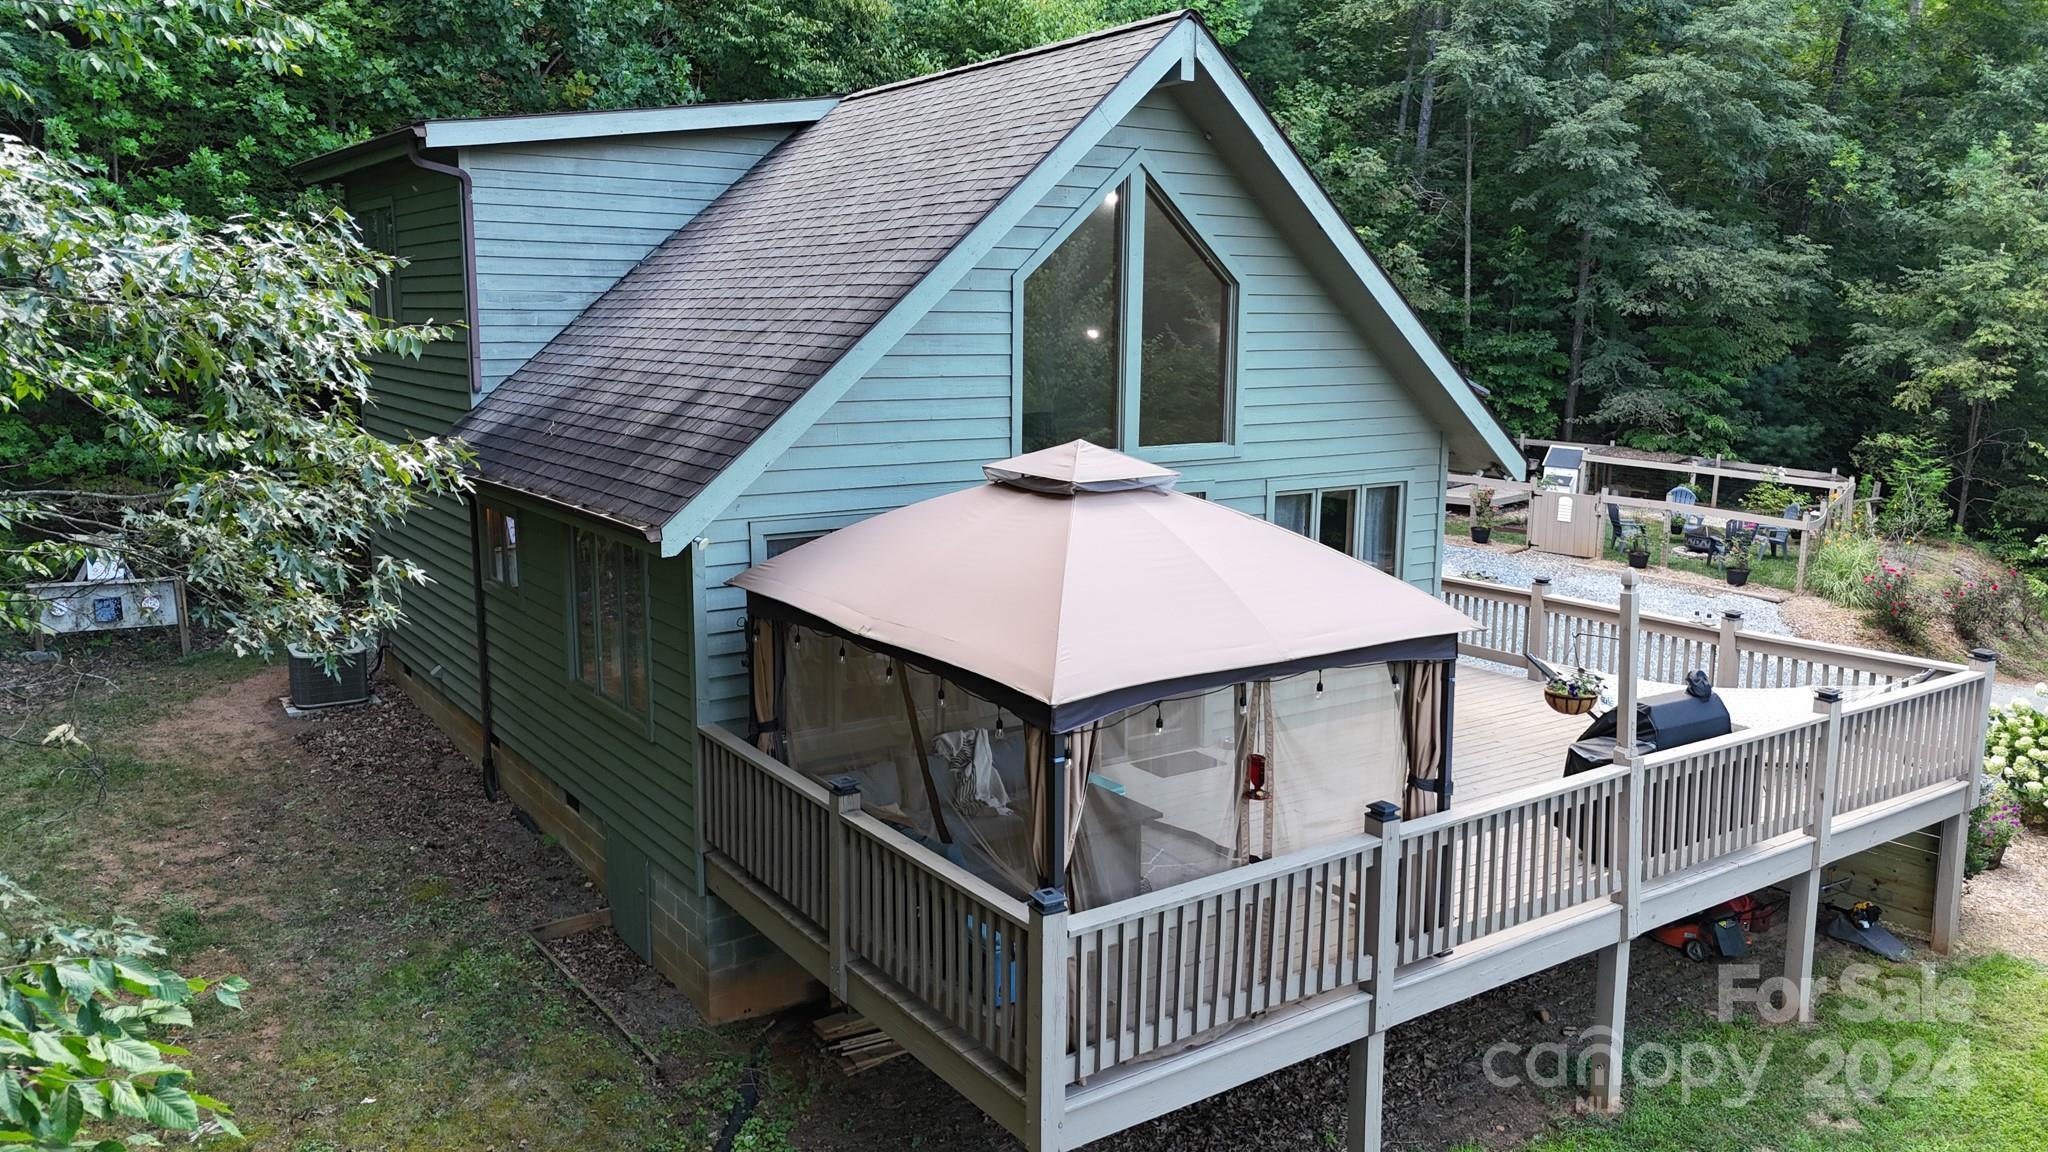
<point x="1899" y="742"/>
<point x="1032" y="1009"/>
<point x="1466" y="874"/>
<point x="948" y="940"/>
<point x="1704" y="801"/>
<point x="1155" y="970"/>
<point x="771" y="820"/>
<point x="1569" y="632"/>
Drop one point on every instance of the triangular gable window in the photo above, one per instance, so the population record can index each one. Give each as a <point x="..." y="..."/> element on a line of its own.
<point x="1122" y="274"/>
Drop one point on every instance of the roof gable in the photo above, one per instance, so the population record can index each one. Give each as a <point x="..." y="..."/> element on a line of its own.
<point x="650" y="394"/>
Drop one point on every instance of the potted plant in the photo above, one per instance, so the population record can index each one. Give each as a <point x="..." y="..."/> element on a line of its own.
<point x="1482" y="515"/>
<point x="1639" y="541"/>
<point x="1737" y="559"/>
<point x="1573" y="693"/>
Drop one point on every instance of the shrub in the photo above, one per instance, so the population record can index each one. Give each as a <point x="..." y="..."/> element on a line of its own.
<point x="2016" y="753"/>
<point x="1916" y="478"/>
<point x="1986" y="612"/>
<point x="1993" y="826"/>
<point x="1894" y="602"/>
<point x="1839" y="568"/>
<point x="1482" y="508"/>
<point x="1771" y="499"/>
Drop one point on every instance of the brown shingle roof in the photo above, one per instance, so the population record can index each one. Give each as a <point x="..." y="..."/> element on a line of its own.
<point x="669" y="376"/>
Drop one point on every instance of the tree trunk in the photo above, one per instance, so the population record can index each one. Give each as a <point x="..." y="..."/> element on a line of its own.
<point x="1425" y="109"/>
<point x="1838" y="74"/>
<point x="1408" y="77"/>
<point x="1972" y="440"/>
<point x="1468" y="217"/>
<point x="1581" y="307"/>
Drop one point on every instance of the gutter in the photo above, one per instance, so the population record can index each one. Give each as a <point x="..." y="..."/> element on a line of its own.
<point x="469" y="301"/>
<point x="489" y="764"/>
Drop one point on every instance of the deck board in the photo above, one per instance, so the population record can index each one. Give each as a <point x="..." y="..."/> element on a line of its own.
<point x="1503" y="736"/>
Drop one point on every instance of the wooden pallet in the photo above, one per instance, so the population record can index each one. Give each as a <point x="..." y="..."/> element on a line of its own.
<point x="854" y="1043"/>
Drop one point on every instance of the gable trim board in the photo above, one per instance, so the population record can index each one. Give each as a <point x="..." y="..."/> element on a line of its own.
<point x="694" y="517"/>
<point x="1453" y="402"/>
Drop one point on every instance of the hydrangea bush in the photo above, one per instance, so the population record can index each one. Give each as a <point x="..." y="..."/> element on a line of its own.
<point x="2016" y="752"/>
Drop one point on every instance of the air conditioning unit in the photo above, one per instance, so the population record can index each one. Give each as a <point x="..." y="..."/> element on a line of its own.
<point x="313" y="687"/>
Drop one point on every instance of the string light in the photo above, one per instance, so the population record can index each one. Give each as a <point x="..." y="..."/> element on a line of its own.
<point x="842" y="653"/>
<point x="1319" y="682"/>
<point x="1158" y="718"/>
<point x="889" y="671"/>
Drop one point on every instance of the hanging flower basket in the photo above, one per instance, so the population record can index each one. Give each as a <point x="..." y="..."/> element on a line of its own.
<point x="1573" y="693"/>
<point x="1569" y="704"/>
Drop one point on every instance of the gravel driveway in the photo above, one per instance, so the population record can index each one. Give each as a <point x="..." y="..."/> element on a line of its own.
<point x="1662" y="597"/>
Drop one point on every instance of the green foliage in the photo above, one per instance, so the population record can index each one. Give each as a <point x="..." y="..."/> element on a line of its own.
<point x="1771" y="499"/>
<point x="1840" y="568"/>
<point x="1992" y="611"/>
<point x="1994" y="825"/>
<point x="81" y="1064"/>
<point x="1483" y="515"/>
<point x="232" y="360"/>
<point x="1895" y="603"/>
<point x="2016" y="752"/>
<point x="1916" y="479"/>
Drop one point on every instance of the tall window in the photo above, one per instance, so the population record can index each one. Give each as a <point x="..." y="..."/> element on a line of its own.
<point x="1360" y="522"/>
<point x="501" y="543"/>
<point x="609" y="582"/>
<point x="380" y="234"/>
<point x="1129" y="314"/>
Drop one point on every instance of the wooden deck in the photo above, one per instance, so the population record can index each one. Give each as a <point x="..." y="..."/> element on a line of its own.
<point x="1503" y="736"/>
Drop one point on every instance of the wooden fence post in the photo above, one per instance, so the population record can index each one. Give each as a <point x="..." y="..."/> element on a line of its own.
<point x="1368" y="1082"/>
<point x="1045" y="1023"/>
<point x="1536" y="629"/>
<point x="838" y="852"/>
<point x="1728" y="651"/>
<point x="1799" y="577"/>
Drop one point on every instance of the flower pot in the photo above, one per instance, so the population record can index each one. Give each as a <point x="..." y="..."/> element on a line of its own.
<point x="1737" y="577"/>
<point x="1481" y="535"/>
<point x="1569" y="705"/>
<point x="1997" y="857"/>
<point x="1639" y="559"/>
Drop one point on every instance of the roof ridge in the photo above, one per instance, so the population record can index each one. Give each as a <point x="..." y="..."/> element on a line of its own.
<point x="1069" y="42"/>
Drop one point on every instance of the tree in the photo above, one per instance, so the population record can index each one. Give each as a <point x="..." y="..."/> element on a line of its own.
<point x="80" y="1053"/>
<point x="233" y="358"/>
<point x="1971" y="327"/>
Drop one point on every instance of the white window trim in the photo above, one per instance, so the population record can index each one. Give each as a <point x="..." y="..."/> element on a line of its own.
<point x="1132" y="180"/>
<point x="1314" y="487"/>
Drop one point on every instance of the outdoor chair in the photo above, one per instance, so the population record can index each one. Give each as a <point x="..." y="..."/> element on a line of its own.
<point x="1618" y="530"/>
<point x="1683" y="495"/>
<point x="1780" y="539"/>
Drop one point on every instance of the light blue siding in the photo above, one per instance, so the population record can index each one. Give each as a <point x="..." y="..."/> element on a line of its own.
<point x="557" y="223"/>
<point x="1317" y="406"/>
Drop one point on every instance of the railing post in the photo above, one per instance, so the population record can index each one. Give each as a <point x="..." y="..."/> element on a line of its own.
<point x="1536" y="629"/>
<point x="838" y="862"/>
<point x="1803" y="914"/>
<point x="1955" y="831"/>
<point x="1728" y="651"/>
<point x="1368" y="1084"/>
<point x="1045" y="1023"/>
<point x="1625" y="671"/>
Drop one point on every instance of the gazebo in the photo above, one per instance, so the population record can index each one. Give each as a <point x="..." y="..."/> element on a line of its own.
<point x="1074" y="677"/>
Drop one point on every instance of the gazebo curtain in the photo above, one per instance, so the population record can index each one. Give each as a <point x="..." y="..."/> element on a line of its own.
<point x="1422" y="710"/>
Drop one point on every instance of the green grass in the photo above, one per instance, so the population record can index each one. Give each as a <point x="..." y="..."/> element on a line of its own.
<point x="1460" y="528"/>
<point x="1668" y="552"/>
<point x="1987" y="1087"/>
<point x="392" y="1008"/>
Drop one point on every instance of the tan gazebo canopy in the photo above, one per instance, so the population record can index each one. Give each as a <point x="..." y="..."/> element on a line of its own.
<point x="1078" y="581"/>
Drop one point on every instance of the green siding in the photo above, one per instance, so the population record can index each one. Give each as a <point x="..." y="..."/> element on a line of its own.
<point x="637" y="774"/>
<point x="1316" y="404"/>
<point x="558" y="222"/>
<point x="425" y="397"/>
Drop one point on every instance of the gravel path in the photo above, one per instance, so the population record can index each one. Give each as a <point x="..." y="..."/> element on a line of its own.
<point x="1663" y="597"/>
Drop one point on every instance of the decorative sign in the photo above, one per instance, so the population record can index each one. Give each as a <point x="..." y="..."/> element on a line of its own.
<point x="1564" y="509"/>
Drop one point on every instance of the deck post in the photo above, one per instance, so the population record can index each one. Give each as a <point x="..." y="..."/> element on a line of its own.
<point x="1728" y="651"/>
<point x="1799" y="576"/>
<point x="1627" y="666"/>
<point x="1610" y="1012"/>
<point x="839" y="838"/>
<point x="1045" y="1023"/>
<point x="1368" y="1082"/>
<point x="1536" y="629"/>
<point x="1955" y="831"/>
<point x="1802" y="915"/>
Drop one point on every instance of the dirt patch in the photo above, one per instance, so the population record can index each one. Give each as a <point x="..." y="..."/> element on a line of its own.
<point x="2006" y="909"/>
